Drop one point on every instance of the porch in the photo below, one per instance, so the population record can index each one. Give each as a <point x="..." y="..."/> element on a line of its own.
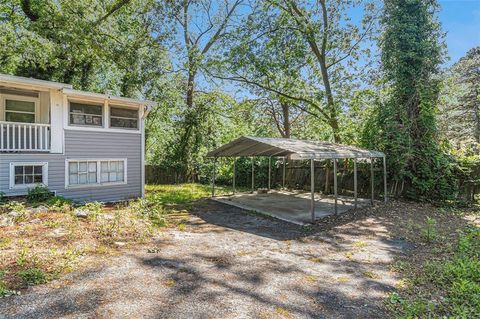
<point x="29" y="110"/>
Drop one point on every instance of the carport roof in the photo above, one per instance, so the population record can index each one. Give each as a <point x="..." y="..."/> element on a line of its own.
<point x="296" y="149"/>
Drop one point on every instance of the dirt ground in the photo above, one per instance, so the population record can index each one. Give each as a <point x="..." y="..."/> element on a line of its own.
<point x="228" y="263"/>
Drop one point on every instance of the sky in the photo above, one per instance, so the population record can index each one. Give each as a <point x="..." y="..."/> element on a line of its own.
<point x="461" y="21"/>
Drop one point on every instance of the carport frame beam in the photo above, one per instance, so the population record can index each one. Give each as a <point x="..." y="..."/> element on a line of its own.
<point x="335" y="186"/>
<point x="269" y="172"/>
<point x="234" y="174"/>
<point x="355" y="185"/>
<point x="253" y="174"/>
<point x="312" y="188"/>
<point x="213" y="176"/>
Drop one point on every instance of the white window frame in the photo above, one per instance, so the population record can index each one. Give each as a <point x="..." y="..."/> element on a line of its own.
<point x="87" y="103"/>
<point x="25" y="186"/>
<point x="21" y="98"/>
<point x="129" y="118"/>
<point x="99" y="167"/>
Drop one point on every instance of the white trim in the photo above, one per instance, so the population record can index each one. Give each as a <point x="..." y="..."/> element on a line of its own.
<point x="26" y="186"/>
<point x="99" y="167"/>
<point x="142" y="150"/>
<point x="13" y="80"/>
<point x="99" y="129"/>
<point x="21" y="98"/>
<point x="99" y="96"/>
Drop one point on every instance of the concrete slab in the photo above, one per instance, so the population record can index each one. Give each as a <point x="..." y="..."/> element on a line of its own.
<point x="290" y="206"/>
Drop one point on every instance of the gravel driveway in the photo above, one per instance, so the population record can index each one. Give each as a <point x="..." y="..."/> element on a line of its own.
<point x="229" y="264"/>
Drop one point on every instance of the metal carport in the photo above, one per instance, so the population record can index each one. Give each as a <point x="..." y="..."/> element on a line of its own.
<point x="299" y="150"/>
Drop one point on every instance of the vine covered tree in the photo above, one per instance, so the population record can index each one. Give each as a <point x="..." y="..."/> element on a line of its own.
<point x="412" y="49"/>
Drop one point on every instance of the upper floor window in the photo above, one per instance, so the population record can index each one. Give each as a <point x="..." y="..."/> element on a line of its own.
<point x="19" y="111"/>
<point x="86" y="114"/>
<point x="123" y="118"/>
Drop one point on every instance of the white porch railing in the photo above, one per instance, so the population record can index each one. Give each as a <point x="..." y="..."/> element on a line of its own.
<point x="24" y="137"/>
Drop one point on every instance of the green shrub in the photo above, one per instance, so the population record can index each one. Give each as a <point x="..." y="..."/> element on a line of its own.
<point x="32" y="276"/>
<point x="2" y="197"/>
<point x="39" y="194"/>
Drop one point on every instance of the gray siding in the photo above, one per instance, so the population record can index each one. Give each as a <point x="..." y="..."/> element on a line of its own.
<point x="85" y="145"/>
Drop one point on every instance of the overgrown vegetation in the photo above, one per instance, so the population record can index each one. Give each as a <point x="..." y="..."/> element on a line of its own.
<point x="444" y="282"/>
<point x="44" y="237"/>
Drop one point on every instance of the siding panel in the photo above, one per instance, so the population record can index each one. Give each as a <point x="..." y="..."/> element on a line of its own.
<point x="85" y="145"/>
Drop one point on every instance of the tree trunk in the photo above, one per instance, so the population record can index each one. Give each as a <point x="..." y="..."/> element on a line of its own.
<point x="286" y="120"/>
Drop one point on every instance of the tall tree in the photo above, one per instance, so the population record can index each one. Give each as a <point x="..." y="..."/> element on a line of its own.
<point x="412" y="51"/>
<point x="306" y="52"/>
<point x="199" y="29"/>
<point x="460" y="103"/>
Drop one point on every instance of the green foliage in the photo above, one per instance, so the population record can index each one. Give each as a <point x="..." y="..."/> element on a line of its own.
<point x="404" y="123"/>
<point x="39" y="194"/>
<point x="94" y="209"/>
<point x="429" y="231"/>
<point x="4" y="291"/>
<point x="2" y="197"/>
<point x="457" y="278"/>
<point x="32" y="276"/>
<point x="59" y="204"/>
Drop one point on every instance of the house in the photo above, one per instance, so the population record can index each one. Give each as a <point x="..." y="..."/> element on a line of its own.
<point x="81" y="145"/>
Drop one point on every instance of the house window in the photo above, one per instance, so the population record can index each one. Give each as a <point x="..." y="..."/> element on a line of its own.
<point x="82" y="172"/>
<point x="95" y="172"/>
<point x="19" y="111"/>
<point x="123" y="118"/>
<point x="86" y="114"/>
<point x="28" y="174"/>
<point x="112" y="171"/>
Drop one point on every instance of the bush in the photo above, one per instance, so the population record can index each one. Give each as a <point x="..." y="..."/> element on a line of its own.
<point x="39" y="194"/>
<point x="32" y="276"/>
<point x="2" y="197"/>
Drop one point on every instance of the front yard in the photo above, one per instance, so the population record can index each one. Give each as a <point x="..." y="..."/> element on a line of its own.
<point x="174" y="253"/>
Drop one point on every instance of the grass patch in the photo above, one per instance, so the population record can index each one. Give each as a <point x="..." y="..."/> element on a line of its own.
<point x="182" y="193"/>
<point x="445" y="287"/>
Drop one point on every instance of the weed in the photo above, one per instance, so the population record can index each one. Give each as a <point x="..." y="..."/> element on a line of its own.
<point x="360" y="244"/>
<point x="52" y="223"/>
<point x="39" y="194"/>
<point x="32" y="276"/>
<point x="348" y="255"/>
<point x="59" y="204"/>
<point x="2" y="197"/>
<point x="169" y="282"/>
<point x="370" y="274"/>
<point x="94" y="209"/>
<point x="310" y="278"/>
<point x="282" y="312"/>
<point x="429" y="231"/>
<point x="182" y="227"/>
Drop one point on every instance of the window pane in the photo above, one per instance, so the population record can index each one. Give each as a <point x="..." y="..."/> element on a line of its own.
<point x="28" y="179"/>
<point x="18" y="170"/>
<point x="92" y="166"/>
<point x="92" y="178"/>
<point x="73" y="167"/>
<point x="113" y="177"/>
<point x="120" y="166"/>
<point x="28" y="169"/>
<point x="120" y="112"/>
<point x="37" y="179"/>
<point x="82" y="166"/>
<point x="104" y="177"/>
<point x="21" y="106"/>
<point x="104" y="167"/>
<point x="82" y="178"/>
<point x="73" y="179"/>
<point x="37" y="169"/>
<point x="81" y="119"/>
<point x="113" y="166"/>
<point x="126" y="123"/>
<point x="19" y="117"/>
<point x="18" y="179"/>
<point x="85" y="108"/>
<point x="119" y="177"/>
